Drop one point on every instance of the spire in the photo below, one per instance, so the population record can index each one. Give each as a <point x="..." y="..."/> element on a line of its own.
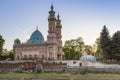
<point x="58" y="25"/>
<point x="51" y="13"/>
<point x="58" y="16"/>
<point x="52" y="7"/>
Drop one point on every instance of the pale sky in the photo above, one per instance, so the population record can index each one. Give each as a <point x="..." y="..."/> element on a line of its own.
<point x="80" y="18"/>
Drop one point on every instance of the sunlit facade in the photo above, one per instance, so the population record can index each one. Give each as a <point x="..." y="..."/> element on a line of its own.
<point x="37" y="48"/>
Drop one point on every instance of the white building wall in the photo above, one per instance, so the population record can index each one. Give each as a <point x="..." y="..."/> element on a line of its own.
<point x="72" y="63"/>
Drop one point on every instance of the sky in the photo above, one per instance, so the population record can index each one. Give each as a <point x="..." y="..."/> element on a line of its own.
<point x="80" y="18"/>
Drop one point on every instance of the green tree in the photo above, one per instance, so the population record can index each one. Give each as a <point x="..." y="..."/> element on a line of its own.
<point x="89" y="50"/>
<point x="7" y="55"/>
<point x="68" y="49"/>
<point x="17" y="41"/>
<point x="73" y="48"/>
<point x="80" y="46"/>
<point x="98" y="51"/>
<point x="1" y="44"/>
<point x="105" y="42"/>
<point x="11" y="55"/>
<point x="116" y="45"/>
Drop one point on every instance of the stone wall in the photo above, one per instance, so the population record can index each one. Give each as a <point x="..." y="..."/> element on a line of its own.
<point x="8" y="67"/>
<point x="31" y="66"/>
<point x="93" y="69"/>
<point x="54" y="66"/>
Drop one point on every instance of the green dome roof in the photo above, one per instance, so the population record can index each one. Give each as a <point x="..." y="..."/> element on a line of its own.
<point x="36" y="37"/>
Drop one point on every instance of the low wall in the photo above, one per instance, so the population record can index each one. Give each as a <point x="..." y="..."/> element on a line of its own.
<point x="93" y="69"/>
<point x="57" y="67"/>
<point x="8" y="67"/>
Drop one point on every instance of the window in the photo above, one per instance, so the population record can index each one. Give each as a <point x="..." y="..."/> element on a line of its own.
<point x="18" y="57"/>
<point x="80" y="64"/>
<point x="74" y="62"/>
<point x="60" y="62"/>
<point x="30" y="56"/>
<point x="35" y="56"/>
<point x="37" y="38"/>
<point x="25" y="57"/>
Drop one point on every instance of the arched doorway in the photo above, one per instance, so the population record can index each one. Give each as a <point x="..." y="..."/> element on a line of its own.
<point x="39" y="68"/>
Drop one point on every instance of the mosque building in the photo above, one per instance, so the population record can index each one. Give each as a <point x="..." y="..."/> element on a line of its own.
<point x="37" y="47"/>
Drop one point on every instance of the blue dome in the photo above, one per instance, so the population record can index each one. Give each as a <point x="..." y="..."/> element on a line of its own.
<point x="36" y="37"/>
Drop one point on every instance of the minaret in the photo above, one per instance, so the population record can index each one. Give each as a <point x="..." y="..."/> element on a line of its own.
<point x="59" y="36"/>
<point x="51" y="21"/>
<point x="54" y="36"/>
<point x="51" y="37"/>
<point x="58" y="27"/>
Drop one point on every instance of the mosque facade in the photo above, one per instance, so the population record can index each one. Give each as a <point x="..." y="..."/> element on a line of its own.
<point x="37" y="47"/>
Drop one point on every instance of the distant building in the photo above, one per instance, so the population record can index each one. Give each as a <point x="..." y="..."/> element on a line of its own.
<point x="88" y="58"/>
<point x="37" y="47"/>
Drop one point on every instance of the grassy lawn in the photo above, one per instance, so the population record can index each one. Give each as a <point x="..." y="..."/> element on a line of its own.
<point x="63" y="75"/>
<point x="29" y="75"/>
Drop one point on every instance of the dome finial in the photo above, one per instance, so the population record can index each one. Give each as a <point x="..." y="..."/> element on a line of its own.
<point x="36" y="27"/>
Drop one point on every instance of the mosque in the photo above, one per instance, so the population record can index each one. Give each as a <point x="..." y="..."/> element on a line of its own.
<point x="37" y="47"/>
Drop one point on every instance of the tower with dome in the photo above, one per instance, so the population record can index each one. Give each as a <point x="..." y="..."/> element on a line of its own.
<point x="37" y="47"/>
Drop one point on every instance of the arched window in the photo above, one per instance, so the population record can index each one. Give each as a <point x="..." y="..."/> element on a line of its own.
<point x="80" y="64"/>
<point x="18" y="57"/>
<point x="35" y="56"/>
<point x="25" y="57"/>
<point x="30" y="56"/>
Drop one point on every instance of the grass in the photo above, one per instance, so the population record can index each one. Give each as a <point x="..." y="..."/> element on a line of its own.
<point x="62" y="75"/>
<point x="29" y="75"/>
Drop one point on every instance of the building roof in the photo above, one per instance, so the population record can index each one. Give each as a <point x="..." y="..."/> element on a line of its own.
<point x="88" y="58"/>
<point x="36" y="37"/>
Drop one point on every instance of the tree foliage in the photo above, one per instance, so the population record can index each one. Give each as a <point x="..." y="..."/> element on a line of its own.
<point x="7" y="55"/>
<point x="17" y="41"/>
<point x="105" y="42"/>
<point x="73" y="48"/>
<point x="98" y="50"/>
<point x="116" y="45"/>
<point x="89" y="50"/>
<point x="1" y="44"/>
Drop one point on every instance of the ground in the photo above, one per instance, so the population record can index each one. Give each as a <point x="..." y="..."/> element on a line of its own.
<point x="62" y="76"/>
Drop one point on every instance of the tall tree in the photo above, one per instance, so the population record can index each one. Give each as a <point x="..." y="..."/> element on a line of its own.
<point x="105" y="42"/>
<point x="116" y="45"/>
<point x="1" y="44"/>
<point x="17" y="41"/>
